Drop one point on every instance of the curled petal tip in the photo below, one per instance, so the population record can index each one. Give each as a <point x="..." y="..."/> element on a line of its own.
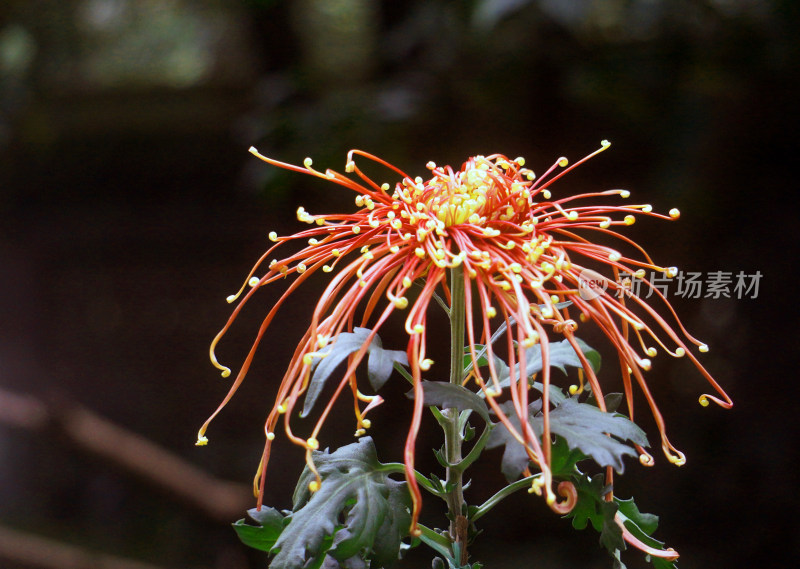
<point x="568" y="491"/>
<point x="374" y="403"/>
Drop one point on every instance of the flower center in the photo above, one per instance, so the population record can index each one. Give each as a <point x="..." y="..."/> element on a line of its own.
<point x="461" y="198"/>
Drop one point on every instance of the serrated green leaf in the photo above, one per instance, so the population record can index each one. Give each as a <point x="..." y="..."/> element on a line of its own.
<point x="591" y="493"/>
<point x="648" y="523"/>
<point x="354" y="504"/>
<point x="585" y="427"/>
<point x="515" y="458"/>
<point x="593" y="508"/>
<point x="379" y="363"/>
<point x="592" y="355"/>
<point x="335" y="353"/>
<point x="563" y="460"/>
<point x="557" y="397"/>
<point x="642" y="526"/>
<point x="500" y="367"/>
<point x="388" y="541"/>
<point x="561" y="356"/>
<point x="444" y="395"/>
<point x="611" y="533"/>
<point x="264" y="535"/>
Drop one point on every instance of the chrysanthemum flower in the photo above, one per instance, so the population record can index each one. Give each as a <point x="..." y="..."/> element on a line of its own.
<point x="523" y="254"/>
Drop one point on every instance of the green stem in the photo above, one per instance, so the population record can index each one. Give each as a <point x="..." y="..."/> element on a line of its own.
<point x="476" y="450"/>
<point x="504" y="493"/>
<point x="451" y="427"/>
<point x="439" y="543"/>
<point x="400" y="468"/>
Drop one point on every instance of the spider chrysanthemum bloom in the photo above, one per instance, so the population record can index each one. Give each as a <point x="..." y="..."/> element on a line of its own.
<point x="524" y="256"/>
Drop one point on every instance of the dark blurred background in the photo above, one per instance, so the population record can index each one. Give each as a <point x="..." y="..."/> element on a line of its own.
<point x="130" y="208"/>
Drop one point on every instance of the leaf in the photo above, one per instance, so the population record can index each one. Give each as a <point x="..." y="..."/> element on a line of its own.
<point x="563" y="460"/>
<point x="611" y="534"/>
<point x="585" y="427"/>
<point x="593" y="507"/>
<point x="591" y="495"/>
<point x="642" y="526"/>
<point x="357" y="505"/>
<point x="562" y="354"/>
<point x="612" y="400"/>
<point x="265" y="534"/>
<point x="387" y="544"/>
<point x="556" y="396"/>
<point x="379" y="364"/>
<point x="592" y="355"/>
<point x="647" y="523"/>
<point x="444" y="395"/>
<point x="515" y="458"/>
<point x="482" y="359"/>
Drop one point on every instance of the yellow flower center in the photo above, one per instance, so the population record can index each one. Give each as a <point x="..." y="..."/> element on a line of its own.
<point x="460" y="198"/>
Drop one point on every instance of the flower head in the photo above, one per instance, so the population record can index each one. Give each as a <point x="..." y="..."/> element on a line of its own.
<point x="525" y="256"/>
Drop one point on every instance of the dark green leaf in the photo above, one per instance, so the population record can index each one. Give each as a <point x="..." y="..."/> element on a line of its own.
<point x="591" y="495"/>
<point x="515" y="458"/>
<point x="593" y="508"/>
<point x="355" y="503"/>
<point x="611" y="534"/>
<point x="379" y="364"/>
<point x="585" y="427"/>
<point x="557" y="396"/>
<point x="642" y="527"/>
<point x="387" y="543"/>
<point x="562" y="355"/>
<point x="264" y="535"/>
<point x="646" y="522"/>
<point x="592" y="355"/>
<point x="447" y="395"/>
<point x="563" y="460"/>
